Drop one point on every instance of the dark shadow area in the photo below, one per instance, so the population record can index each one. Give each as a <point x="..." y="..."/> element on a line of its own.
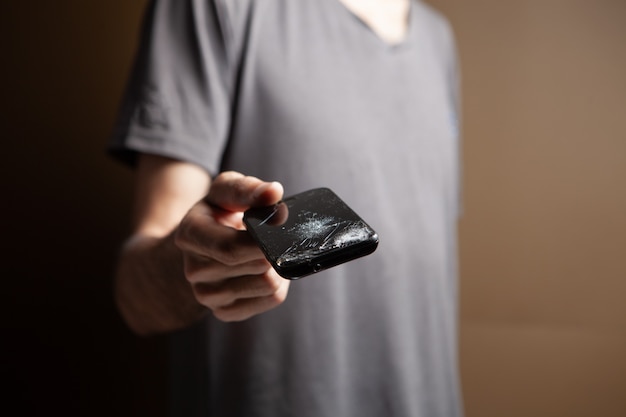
<point x="66" y="207"/>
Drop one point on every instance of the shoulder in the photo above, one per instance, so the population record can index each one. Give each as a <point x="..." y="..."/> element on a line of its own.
<point x="436" y="22"/>
<point x="439" y="34"/>
<point x="432" y="15"/>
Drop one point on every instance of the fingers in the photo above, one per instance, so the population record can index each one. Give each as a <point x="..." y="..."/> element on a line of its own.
<point x="233" y="191"/>
<point x="231" y="291"/>
<point x="200" y="270"/>
<point x="200" y="234"/>
<point x="225" y="267"/>
<point x="245" y="308"/>
<point x="240" y="297"/>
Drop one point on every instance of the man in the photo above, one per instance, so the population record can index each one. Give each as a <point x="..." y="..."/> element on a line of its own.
<point x="357" y="96"/>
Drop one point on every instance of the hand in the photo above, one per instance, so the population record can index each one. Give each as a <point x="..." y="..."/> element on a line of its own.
<point x="225" y="267"/>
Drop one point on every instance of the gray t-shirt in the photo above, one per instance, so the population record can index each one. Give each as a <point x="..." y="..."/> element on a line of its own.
<point x="305" y="93"/>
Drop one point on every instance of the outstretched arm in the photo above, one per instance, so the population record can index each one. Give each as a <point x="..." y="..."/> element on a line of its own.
<point x="188" y="253"/>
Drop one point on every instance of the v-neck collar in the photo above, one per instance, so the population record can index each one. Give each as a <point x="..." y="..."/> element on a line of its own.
<point x="408" y="35"/>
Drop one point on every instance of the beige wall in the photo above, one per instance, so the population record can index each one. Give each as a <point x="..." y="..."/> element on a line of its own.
<point x="543" y="239"/>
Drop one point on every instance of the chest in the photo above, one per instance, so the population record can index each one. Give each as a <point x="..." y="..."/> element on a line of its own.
<point x="320" y="74"/>
<point x="319" y="93"/>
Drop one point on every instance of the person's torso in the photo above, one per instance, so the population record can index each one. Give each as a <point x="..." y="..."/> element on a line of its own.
<point x="321" y="100"/>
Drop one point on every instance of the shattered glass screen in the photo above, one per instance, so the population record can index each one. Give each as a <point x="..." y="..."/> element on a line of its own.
<point x="309" y="232"/>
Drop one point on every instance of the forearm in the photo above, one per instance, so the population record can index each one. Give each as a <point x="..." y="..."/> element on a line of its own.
<point x="151" y="291"/>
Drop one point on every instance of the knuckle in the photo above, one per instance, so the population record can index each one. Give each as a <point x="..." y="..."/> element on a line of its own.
<point x="271" y="283"/>
<point x="214" y="297"/>
<point x="189" y="269"/>
<point x="191" y="276"/>
<point x="278" y="298"/>
<point x="220" y="314"/>
<point x="228" y="253"/>
<point x="194" y="270"/>
<point x="181" y="235"/>
<point x="226" y="315"/>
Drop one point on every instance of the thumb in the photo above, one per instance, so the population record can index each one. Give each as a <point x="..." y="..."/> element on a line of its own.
<point x="234" y="191"/>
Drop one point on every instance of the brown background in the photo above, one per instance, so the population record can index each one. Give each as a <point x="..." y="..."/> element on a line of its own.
<point x="543" y="239"/>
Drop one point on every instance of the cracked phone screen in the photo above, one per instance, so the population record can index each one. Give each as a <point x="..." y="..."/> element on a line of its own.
<point x="309" y="232"/>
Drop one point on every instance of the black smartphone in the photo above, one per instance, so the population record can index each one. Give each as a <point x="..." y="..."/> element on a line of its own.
<point x="309" y="232"/>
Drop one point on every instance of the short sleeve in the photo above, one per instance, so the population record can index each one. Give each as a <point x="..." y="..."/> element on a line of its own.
<point x="178" y="99"/>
